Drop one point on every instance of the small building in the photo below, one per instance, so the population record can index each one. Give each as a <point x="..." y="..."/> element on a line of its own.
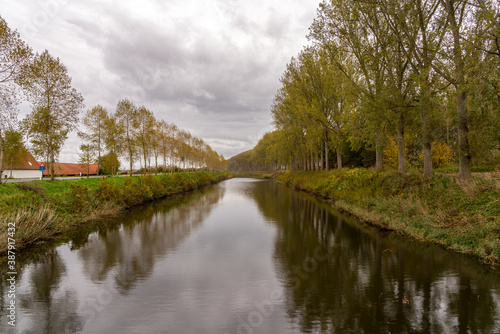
<point x="70" y="169"/>
<point x="28" y="168"/>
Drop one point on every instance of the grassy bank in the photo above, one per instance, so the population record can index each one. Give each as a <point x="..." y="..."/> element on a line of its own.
<point x="464" y="217"/>
<point x="42" y="210"/>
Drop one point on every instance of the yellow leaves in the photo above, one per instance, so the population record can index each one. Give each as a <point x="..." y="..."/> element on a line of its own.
<point x="390" y="154"/>
<point x="441" y="154"/>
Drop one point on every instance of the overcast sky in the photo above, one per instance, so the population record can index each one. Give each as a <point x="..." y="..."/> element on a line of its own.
<point x="211" y="67"/>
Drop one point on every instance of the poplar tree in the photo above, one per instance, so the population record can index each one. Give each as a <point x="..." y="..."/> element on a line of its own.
<point x="13" y="54"/>
<point x="357" y="29"/>
<point x="146" y="126"/>
<point x="127" y="118"/>
<point x="55" y="104"/>
<point x="455" y="12"/>
<point x="87" y="156"/>
<point x="94" y="121"/>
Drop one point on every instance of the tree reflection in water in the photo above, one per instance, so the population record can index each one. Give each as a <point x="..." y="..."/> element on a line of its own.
<point x="44" y="299"/>
<point x="371" y="282"/>
<point x="126" y="250"/>
<point x="337" y="276"/>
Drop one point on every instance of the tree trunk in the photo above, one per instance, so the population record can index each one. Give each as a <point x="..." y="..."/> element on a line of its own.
<point x="464" y="158"/>
<point x="339" y="158"/>
<point x="321" y="156"/>
<point x="317" y="161"/>
<point x="311" y="159"/>
<point x="401" y="145"/>
<point x="88" y="170"/>
<point x="426" y="137"/>
<point x="52" y="162"/>
<point x="99" y="149"/>
<point x="378" y="152"/>
<point x="130" y="172"/>
<point x="327" y="164"/>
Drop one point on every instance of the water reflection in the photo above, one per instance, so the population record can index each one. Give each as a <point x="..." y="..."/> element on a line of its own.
<point x="59" y="311"/>
<point x="371" y="283"/>
<point x="53" y="299"/>
<point x="209" y="262"/>
<point x="147" y="235"/>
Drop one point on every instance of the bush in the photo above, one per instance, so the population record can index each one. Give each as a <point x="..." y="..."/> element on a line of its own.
<point x="80" y="198"/>
<point x="107" y="192"/>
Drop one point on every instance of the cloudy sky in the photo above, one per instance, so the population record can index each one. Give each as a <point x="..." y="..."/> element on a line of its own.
<point x="211" y="67"/>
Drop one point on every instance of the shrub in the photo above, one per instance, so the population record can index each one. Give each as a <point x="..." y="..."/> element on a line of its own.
<point x="106" y="192"/>
<point x="80" y="198"/>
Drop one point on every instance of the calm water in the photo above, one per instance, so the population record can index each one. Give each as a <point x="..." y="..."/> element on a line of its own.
<point x="249" y="256"/>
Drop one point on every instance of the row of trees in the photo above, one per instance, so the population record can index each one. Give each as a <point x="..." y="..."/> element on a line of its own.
<point x="134" y="133"/>
<point x="131" y="132"/>
<point x="414" y="73"/>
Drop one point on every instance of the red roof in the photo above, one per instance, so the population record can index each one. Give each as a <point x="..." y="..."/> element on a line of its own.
<point x="28" y="163"/>
<point x="65" y="168"/>
<point x="92" y="169"/>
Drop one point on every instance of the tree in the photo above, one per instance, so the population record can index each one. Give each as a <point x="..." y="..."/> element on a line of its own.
<point x="87" y="156"/>
<point x="13" y="54"/>
<point x="455" y="12"/>
<point x="157" y="135"/>
<point x="416" y="25"/>
<point x="146" y="127"/>
<point x="127" y="119"/>
<point x="55" y="105"/>
<point x="356" y="28"/>
<point x="110" y="163"/>
<point x="112" y="134"/>
<point x="15" y="151"/>
<point x="94" y="121"/>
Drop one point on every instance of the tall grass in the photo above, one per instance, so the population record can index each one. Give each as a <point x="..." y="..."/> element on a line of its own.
<point x="31" y="224"/>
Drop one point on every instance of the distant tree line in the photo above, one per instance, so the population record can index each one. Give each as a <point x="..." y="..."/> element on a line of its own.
<point x="134" y="133"/>
<point x="398" y="84"/>
<point x="130" y="132"/>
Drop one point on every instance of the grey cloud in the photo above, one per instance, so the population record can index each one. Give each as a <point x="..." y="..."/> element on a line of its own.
<point x="212" y="70"/>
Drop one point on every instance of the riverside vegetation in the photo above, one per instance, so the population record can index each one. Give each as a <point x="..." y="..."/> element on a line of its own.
<point x="44" y="210"/>
<point x="462" y="216"/>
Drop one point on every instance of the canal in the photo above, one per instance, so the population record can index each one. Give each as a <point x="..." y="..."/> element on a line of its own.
<point x="248" y="256"/>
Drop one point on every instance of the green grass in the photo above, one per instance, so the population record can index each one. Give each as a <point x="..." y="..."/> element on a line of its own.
<point x="43" y="210"/>
<point x="464" y="217"/>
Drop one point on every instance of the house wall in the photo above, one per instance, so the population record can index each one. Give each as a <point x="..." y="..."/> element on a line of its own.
<point x="23" y="173"/>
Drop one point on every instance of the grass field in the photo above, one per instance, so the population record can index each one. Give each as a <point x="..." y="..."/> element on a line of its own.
<point x="42" y="210"/>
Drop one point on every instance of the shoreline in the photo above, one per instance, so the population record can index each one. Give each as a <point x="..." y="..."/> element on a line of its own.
<point x="45" y="211"/>
<point x="462" y="217"/>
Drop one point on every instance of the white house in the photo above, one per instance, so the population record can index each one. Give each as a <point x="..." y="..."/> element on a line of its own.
<point x="27" y="169"/>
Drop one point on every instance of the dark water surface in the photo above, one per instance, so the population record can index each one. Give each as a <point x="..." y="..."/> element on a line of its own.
<point x="248" y="256"/>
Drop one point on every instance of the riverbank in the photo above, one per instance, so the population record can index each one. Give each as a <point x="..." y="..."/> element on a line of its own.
<point x="43" y="210"/>
<point x="464" y="217"/>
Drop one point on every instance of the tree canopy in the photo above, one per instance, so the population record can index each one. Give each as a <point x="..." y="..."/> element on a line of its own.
<point x="411" y="84"/>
